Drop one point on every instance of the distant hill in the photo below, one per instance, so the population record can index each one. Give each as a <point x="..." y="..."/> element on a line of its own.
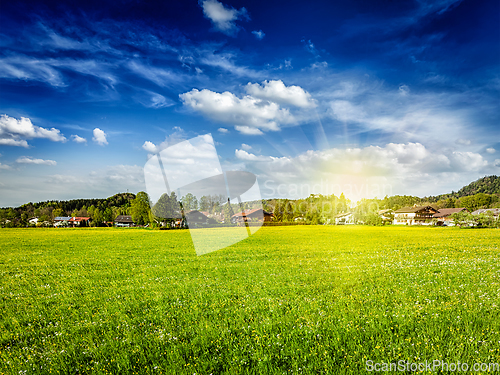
<point x="486" y="185"/>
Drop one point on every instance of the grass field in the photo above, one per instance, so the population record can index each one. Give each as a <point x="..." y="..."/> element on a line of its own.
<point x="306" y="299"/>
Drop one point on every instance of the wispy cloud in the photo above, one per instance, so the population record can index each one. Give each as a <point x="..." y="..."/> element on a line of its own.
<point x="30" y="160"/>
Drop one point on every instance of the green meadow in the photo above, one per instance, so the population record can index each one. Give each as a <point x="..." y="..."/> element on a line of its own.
<point x="288" y="300"/>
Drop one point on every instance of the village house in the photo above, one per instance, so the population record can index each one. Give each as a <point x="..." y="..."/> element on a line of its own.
<point x="124" y="221"/>
<point x="196" y="218"/>
<point x="254" y="215"/>
<point x="444" y="216"/>
<point x="416" y="215"/>
<point x="344" y="218"/>
<point x="78" y="221"/>
<point x="60" y="221"/>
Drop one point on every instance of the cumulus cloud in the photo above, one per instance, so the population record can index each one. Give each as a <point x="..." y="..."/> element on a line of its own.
<point x="3" y="166"/>
<point x="14" y="132"/>
<point x="13" y="142"/>
<point x="100" y="137"/>
<point x="78" y="139"/>
<point x="259" y="34"/>
<point x="246" y="112"/>
<point x="399" y="167"/>
<point x="149" y="147"/>
<point x="277" y="92"/>
<point x="30" y="160"/>
<point x="223" y="130"/>
<point x="490" y="150"/>
<point x="243" y="155"/>
<point x="263" y="109"/>
<point x="223" y="18"/>
<point x="246" y="147"/>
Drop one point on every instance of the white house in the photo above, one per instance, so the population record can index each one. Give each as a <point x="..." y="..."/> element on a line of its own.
<point x="416" y="215"/>
<point x="344" y="218"/>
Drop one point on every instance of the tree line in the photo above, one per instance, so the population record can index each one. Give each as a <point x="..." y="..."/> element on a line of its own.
<point x="315" y="209"/>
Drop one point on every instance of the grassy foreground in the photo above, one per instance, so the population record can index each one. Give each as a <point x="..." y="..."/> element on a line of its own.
<point x="306" y="299"/>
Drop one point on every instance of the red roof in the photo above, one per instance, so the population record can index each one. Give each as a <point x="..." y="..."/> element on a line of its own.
<point x="77" y="218"/>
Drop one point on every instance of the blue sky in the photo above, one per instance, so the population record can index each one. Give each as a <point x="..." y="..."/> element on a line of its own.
<point x="369" y="98"/>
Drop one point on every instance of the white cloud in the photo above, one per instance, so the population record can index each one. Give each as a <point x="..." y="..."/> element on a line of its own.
<point x="150" y="147"/>
<point x="243" y="155"/>
<point x="259" y="34"/>
<point x="222" y="17"/>
<point x="399" y="168"/>
<point x="248" y="130"/>
<point x="490" y="150"/>
<point x="497" y="162"/>
<point x="223" y="130"/>
<point x="13" y="142"/>
<point x="244" y="146"/>
<point x="78" y="139"/>
<point x="14" y="132"/>
<point x="246" y="113"/>
<point x="3" y="166"/>
<point x="100" y="137"/>
<point x="277" y="92"/>
<point x="30" y="160"/>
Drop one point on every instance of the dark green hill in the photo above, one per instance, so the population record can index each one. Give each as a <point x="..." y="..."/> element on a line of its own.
<point x="485" y="185"/>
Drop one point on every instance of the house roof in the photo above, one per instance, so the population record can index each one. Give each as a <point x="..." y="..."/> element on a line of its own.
<point x="62" y="218"/>
<point x="414" y="209"/>
<point x="443" y="212"/>
<point x="79" y="218"/>
<point x="124" y="219"/>
<point x="250" y="212"/>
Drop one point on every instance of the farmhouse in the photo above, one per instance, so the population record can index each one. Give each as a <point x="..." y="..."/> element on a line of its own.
<point x="344" y="218"/>
<point x="256" y="215"/>
<point x="124" y="221"/>
<point x="78" y="221"/>
<point x="61" y="221"/>
<point x="416" y="215"/>
<point x="196" y="217"/>
<point x="443" y="216"/>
